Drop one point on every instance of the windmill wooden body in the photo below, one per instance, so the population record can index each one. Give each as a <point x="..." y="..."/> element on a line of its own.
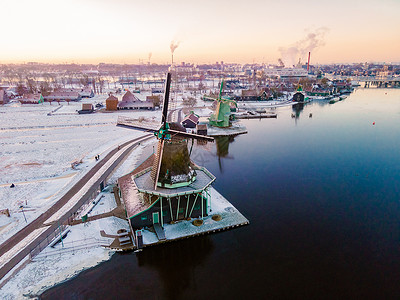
<point x="222" y="116"/>
<point x="168" y="186"/>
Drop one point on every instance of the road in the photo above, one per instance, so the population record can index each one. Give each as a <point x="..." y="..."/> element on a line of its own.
<point x="38" y="223"/>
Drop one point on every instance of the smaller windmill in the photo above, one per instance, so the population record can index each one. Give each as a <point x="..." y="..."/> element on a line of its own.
<point x="222" y="117"/>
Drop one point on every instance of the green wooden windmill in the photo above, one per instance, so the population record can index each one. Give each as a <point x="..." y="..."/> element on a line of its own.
<point x="222" y="116"/>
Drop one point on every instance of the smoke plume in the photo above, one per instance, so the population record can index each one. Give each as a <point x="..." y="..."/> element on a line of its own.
<point x="173" y="46"/>
<point x="300" y="49"/>
<point x="150" y="55"/>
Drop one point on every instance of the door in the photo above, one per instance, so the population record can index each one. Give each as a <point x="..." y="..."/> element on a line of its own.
<point x="155" y="218"/>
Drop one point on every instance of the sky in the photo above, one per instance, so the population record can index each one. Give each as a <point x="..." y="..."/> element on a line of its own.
<point x="206" y="31"/>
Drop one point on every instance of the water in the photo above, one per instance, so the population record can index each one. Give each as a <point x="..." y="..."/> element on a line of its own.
<point x="322" y="197"/>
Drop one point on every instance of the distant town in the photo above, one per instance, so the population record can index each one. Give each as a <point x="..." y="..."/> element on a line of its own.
<point x="35" y="82"/>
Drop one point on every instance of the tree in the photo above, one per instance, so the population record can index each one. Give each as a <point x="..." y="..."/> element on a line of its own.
<point x="189" y="101"/>
<point x="84" y="80"/>
<point x="44" y="88"/>
<point x="31" y="84"/>
<point x="101" y="82"/>
<point x="20" y="89"/>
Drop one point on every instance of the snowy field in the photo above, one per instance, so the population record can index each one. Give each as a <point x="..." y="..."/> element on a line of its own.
<point x="37" y="148"/>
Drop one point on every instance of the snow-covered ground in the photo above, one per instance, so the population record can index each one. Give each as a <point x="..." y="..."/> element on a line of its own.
<point x="81" y="251"/>
<point x="37" y="150"/>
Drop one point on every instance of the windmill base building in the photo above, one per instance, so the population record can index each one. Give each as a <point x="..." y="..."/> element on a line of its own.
<point x="147" y="206"/>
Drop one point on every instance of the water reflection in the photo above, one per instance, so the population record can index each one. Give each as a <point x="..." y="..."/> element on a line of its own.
<point x="297" y="109"/>
<point x="176" y="263"/>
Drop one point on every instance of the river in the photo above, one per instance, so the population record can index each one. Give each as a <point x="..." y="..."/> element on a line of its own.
<point x="321" y="193"/>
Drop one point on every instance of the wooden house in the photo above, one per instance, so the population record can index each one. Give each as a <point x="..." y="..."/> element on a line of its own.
<point x="112" y="103"/>
<point x="201" y="129"/>
<point x="190" y="121"/>
<point x="87" y="108"/>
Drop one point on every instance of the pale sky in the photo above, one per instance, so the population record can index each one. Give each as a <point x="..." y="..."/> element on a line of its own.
<point x="126" y="31"/>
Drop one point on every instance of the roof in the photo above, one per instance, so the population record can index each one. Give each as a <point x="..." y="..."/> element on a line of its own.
<point x="112" y="97"/>
<point x="129" y="97"/>
<point x="250" y="93"/>
<point x="64" y="95"/>
<point x="30" y="98"/>
<point x="201" y="126"/>
<point x="129" y="192"/>
<point x="145" y="184"/>
<point x="130" y="100"/>
<point x="192" y="117"/>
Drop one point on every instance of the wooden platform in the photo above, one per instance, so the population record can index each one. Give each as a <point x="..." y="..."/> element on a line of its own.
<point x="159" y="232"/>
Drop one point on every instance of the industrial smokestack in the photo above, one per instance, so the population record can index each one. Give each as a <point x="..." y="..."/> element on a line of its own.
<point x="308" y="64"/>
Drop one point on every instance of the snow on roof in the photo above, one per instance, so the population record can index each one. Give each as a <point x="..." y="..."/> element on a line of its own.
<point x="129" y="191"/>
<point x="145" y="183"/>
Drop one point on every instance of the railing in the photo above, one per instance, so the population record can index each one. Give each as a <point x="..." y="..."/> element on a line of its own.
<point x="71" y="247"/>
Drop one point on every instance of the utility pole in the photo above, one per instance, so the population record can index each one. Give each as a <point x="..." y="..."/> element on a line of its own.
<point x="22" y="209"/>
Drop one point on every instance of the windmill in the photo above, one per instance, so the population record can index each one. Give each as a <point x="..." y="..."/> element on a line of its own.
<point x="172" y="159"/>
<point x="222" y="116"/>
<point x="168" y="186"/>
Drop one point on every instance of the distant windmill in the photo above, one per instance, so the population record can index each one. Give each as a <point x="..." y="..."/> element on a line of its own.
<point x="222" y="116"/>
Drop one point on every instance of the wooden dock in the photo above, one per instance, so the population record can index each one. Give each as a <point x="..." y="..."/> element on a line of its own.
<point x="257" y="116"/>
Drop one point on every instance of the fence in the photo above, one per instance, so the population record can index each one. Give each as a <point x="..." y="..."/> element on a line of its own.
<point x="57" y="230"/>
<point x="69" y="247"/>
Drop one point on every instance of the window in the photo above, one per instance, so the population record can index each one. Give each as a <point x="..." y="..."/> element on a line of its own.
<point x="143" y="218"/>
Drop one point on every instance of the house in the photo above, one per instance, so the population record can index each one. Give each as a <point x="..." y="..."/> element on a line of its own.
<point x="63" y="96"/>
<point x="201" y="129"/>
<point x="87" y="92"/>
<point x="87" y="108"/>
<point x="254" y="95"/>
<point x="156" y="99"/>
<point x="157" y="90"/>
<point x="112" y="103"/>
<point x="31" y="99"/>
<point x="130" y="101"/>
<point x="190" y="121"/>
<point x="3" y="97"/>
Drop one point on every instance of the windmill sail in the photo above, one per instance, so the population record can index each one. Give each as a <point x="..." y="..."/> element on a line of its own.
<point x="155" y="171"/>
